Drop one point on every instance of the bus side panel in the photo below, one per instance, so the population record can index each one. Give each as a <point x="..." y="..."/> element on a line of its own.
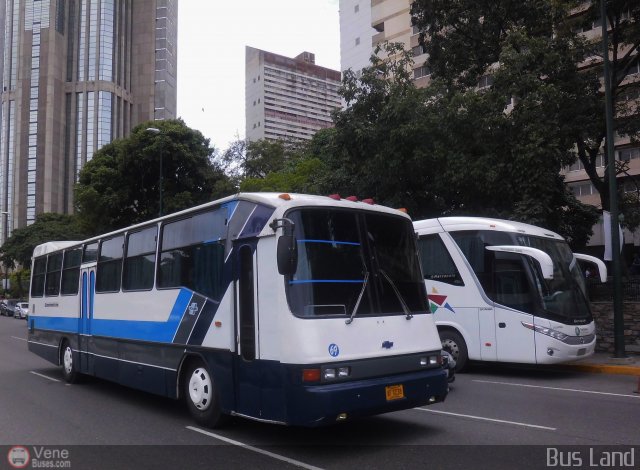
<point x="52" y="320"/>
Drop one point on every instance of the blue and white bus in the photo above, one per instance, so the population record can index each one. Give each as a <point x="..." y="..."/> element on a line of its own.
<point x="291" y="309"/>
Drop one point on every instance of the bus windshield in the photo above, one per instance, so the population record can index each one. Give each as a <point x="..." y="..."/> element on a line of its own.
<point x="354" y="264"/>
<point x="516" y="281"/>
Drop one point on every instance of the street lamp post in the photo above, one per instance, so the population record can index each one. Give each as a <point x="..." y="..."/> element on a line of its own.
<point x="156" y="131"/>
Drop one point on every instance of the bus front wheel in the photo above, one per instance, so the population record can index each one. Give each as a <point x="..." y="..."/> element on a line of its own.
<point x="454" y="344"/>
<point x="202" y="396"/>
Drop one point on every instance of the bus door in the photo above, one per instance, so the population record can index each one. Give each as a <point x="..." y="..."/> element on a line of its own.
<point x="87" y="294"/>
<point x="514" y="305"/>
<point x="247" y="371"/>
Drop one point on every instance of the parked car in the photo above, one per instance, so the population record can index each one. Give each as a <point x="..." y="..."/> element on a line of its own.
<point x="8" y="306"/>
<point x="21" y="310"/>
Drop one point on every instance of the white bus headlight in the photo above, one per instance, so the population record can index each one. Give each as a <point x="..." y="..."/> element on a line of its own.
<point x="546" y="331"/>
<point x="329" y="374"/>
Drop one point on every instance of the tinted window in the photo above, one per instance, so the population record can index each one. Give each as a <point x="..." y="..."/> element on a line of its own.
<point x="71" y="271"/>
<point x="437" y="264"/>
<point x="109" y="265"/>
<point x="37" y="282"/>
<point x="140" y="262"/>
<point x="192" y="254"/>
<point x="52" y="282"/>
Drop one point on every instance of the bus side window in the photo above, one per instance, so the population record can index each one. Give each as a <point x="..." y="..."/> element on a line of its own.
<point x="109" y="268"/>
<point x="71" y="271"/>
<point x="52" y="282"/>
<point x="512" y="287"/>
<point x="39" y="270"/>
<point x="247" y="307"/>
<point x="140" y="261"/>
<point x="437" y="264"/>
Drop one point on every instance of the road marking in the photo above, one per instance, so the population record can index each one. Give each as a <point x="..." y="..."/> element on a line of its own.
<point x="481" y="418"/>
<point x="21" y="339"/>
<point x="44" y="376"/>
<point x="297" y="463"/>
<point x="558" y="388"/>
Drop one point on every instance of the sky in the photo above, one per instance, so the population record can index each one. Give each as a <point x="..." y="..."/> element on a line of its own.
<point x="212" y="35"/>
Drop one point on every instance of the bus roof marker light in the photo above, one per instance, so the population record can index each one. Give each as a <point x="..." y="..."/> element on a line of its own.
<point x="335" y="196"/>
<point x="352" y="198"/>
<point x="403" y="210"/>
<point x="369" y="201"/>
<point x="285" y="196"/>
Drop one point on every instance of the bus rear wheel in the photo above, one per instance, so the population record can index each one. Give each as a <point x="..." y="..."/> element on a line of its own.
<point x="202" y="396"/>
<point x="454" y="344"/>
<point x="69" y="369"/>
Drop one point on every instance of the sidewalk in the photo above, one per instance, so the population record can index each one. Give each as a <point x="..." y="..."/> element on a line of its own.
<point x="605" y="363"/>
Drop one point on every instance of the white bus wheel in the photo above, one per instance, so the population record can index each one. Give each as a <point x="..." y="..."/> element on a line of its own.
<point x="202" y="396"/>
<point x="69" y="369"/>
<point x="454" y="344"/>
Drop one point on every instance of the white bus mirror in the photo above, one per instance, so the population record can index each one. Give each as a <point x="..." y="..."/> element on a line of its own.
<point x="602" y="268"/>
<point x="543" y="259"/>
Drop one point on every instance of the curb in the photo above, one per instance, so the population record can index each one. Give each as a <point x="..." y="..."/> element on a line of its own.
<point x="603" y="369"/>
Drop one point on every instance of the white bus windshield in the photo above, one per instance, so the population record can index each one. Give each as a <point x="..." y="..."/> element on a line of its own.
<point x="516" y="281"/>
<point x="354" y="263"/>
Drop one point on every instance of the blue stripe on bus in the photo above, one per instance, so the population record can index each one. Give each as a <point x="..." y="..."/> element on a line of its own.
<point x="331" y="242"/>
<point x="327" y="281"/>
<point x="125" y="329"/>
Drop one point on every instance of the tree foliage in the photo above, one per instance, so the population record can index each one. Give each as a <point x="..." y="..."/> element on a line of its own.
<point x="18" y="248"/>
<point x="535" y="54"/>
<point x="120" y="186"/>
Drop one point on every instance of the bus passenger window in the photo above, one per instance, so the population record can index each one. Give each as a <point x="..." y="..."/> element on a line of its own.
<point x="39" y="270"/>
<point x="90" y="253"/>
<point x="71" y="271"/>
<point x="52" y="283"/>
<point x="140" y="262"/>
<point x="109" y="265"/>
<point x="437" y="264"/>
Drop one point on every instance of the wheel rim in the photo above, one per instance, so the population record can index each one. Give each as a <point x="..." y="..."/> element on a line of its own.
<point x="452" y="347"/>
<point x="200" y="389"/>
<point x="68" y="360"/>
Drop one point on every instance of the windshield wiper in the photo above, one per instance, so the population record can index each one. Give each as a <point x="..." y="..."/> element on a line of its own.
<point x="397" y="292"/>
<point x="355" y="307"/>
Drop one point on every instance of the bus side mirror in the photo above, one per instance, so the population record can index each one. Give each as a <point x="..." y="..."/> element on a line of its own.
<point x="543" y="259"/>
<point x="602" y="268"/>
<point x="287" y="254"/>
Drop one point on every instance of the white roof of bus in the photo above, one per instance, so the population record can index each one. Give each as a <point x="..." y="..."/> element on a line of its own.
<point x="453" y="224"/>
<point x="48" y="247"/>
<point x="267" y="199"/>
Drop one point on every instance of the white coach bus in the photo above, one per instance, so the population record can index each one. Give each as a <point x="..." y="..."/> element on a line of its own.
<point x="506" y="291"/>
<point x="290" y="309"/>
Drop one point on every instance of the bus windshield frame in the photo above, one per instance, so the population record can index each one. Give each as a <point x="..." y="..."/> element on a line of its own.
<point x="354" y="263"/>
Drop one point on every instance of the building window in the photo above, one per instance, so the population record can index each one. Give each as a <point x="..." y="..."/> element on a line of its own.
<point x="422" y="71"/>
<point x="629" y="153"/>
<point x="485" y="81"/>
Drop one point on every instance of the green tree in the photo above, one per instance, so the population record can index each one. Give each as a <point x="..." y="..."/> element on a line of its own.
<point x="535" y="56"/>
<point x="18" y="248"/>
<point x="120" y="185"/>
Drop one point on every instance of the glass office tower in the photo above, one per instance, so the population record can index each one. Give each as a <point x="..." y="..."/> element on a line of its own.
<point x="76" y="74"/>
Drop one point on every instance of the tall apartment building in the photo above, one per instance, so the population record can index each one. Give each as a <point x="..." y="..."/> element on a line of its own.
<point x="288" y="98"/>
<point x="356" y="34"/>
<point x="76" y="74"/>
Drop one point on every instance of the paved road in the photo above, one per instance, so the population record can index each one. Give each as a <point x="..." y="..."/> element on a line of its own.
<point x="488" y="412"/>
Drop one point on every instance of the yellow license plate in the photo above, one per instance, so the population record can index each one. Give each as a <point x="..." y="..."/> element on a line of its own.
<point x="394" y="392"/>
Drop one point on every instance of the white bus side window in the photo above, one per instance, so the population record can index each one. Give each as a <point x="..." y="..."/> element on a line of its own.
<point x="437" y="264"/>
<point x="71" y="271"/>
<point x="110" y="265"/>
<point x="39" y="270"/>
<point x="140" y="261"/>
<point x="52" y="282"/>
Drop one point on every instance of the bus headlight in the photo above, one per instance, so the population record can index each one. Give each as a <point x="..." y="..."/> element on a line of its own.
<point x="331" y="373"/>
<point x="546" y="331"/>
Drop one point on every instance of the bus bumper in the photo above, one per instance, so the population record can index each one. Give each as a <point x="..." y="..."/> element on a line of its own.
<point x="324" y="404"/>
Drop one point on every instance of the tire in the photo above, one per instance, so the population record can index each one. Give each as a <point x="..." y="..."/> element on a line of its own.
<point x="454" y="344"/>
<point x="69" y="368"/>
<point x="202" y="397"/>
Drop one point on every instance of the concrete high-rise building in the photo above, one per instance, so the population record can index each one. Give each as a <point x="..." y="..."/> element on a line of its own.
<point x="76" y="74"/>
<point x="356" y="35"/>
<point x="288" y="99"/>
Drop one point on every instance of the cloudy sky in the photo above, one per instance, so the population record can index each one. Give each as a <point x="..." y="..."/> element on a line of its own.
<point x="212" y="35"/>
